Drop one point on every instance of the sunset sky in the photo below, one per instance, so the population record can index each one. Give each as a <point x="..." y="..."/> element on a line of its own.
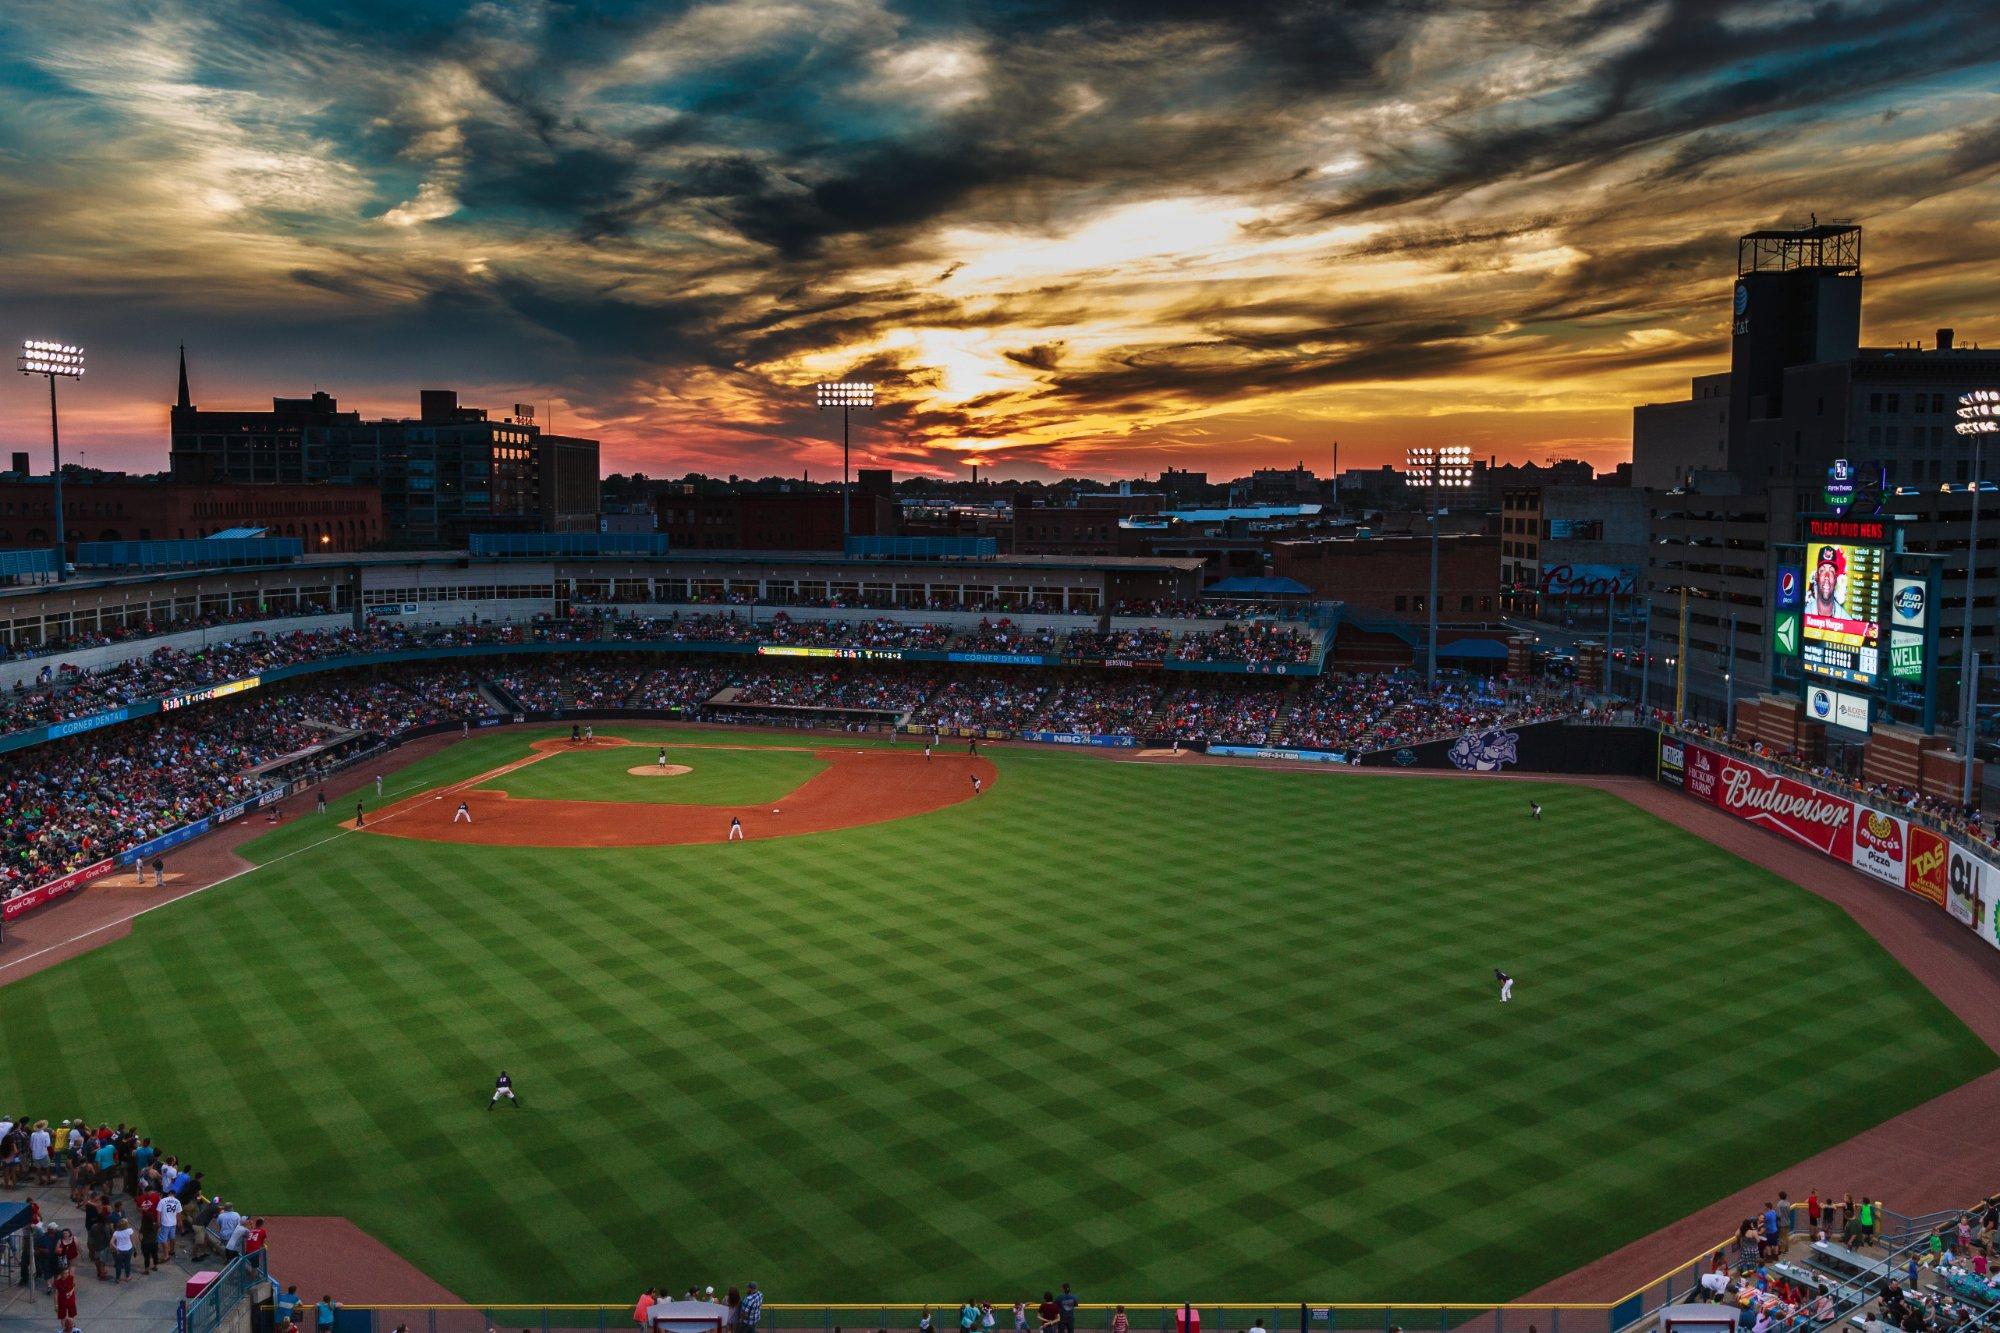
<point x="1096" y="236"/>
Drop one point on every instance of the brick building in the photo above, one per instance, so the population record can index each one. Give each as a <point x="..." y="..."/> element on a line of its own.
<point x="326" y="518"/>
<point x="771" y="520"/>
<point x="1392" y="574"/>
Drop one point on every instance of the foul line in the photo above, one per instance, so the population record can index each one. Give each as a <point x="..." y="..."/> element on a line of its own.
<point x="179" y="897"/>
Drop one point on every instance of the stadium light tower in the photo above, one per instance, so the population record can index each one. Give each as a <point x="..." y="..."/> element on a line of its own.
<point x="1435" y="470"/>
<point x="56" y="361"/>
<point x="845" y="395"/>
<point x="1978" y="417"/>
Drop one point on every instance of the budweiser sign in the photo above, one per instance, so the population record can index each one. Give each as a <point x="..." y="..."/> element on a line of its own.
<point x="1803" y="814"/>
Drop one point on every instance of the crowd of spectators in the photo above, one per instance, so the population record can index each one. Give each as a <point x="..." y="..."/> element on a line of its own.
<point x="683" y="685"/>
<point x="987" y="701"/>
<point x="1004" y="636"/>
<point x="1376" y="711"/>
<point x="584" y="682"/>
<point x="1233" y="714"/>
<point x="164" y="1210"/>
<point x="1248" y="641"/>
<point x="838" y="686"/>
<point x="147" y="628"/>
<point x="1147" y="644"/>
<point x="1107" y="707"/>
<point x="880" y="632"/>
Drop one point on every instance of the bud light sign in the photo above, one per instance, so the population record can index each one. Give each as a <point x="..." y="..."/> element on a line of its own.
<point x="1908" y="604"/>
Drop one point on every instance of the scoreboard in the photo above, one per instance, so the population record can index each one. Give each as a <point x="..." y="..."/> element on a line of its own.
<point x="1842" y="638"/>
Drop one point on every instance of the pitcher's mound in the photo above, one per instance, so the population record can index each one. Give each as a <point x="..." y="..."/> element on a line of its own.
<point x="658" y="770"/>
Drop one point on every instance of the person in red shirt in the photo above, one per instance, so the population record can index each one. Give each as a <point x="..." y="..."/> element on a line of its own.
<point x="65" y="1290"/>
<point x="253" y="1239"/>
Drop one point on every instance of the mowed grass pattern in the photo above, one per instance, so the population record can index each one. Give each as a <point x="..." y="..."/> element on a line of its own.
<point x="1204" y="1033"/>
<point x="733" y="776"/>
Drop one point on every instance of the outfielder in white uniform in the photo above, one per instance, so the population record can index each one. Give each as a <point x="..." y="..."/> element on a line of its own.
<point x="1506" y="985"/>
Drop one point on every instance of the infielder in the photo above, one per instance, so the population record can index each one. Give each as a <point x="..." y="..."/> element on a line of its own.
<point x="463" y="816"/>
<point x="360" y="816"/>
<point x="735" y="829"/>
<point x="1506" y="985"/>
<point x="378" y="784"/>
<point x="503" y="1087"/>
<point x="975" y="784"/>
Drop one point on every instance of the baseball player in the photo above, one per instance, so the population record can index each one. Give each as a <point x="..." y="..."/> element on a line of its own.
<point x="575" y="733"/>
<point x="927" y="749"/>
<point x="360" y="816"/>
<point x="1506" y="985"/>
<point x="378" y="786"/>
<point x="663" y="756"/>
<point x="503" y="1087"/>
<point x="463" y="815"/>
<point x="975" y="784"/>
<point x="1535" y="811"/>
<point x="735" y="829"/>
<point x="590" y="733"/>
<point x="319" y="802"/>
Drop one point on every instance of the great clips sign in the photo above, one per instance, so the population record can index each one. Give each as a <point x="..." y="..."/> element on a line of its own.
<point x="1803" y="814"/>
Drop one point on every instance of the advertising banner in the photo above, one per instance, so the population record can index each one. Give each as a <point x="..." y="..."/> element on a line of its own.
<point x="1702" y="772"/>
<point x="171" y="838"/>
<point x="1969" y="891"/>
<point x="55" y="888"/>
<point x="1672" y="760"/>
<point x="1569" y="580"/>
<point x="221" y="691"/>
<point x="1003" y="659"/>
<point x="1804" y="814"/>
<point x="1273" y="752"/>
<point x="1837" y="707"/>
<point x="1930" y="865"/>
<point x="1881" y="845"/>
<point x="75" y="726"/>
<point x="811" y="650"/>
<point x="1791" y="587"/>
<point x="1080" y="738"/>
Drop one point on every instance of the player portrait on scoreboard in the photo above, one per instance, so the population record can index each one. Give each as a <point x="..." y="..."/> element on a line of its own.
<point x="1826" y="590"/>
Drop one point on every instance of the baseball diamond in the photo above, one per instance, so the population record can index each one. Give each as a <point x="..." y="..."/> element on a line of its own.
<point x="1155" y="1025"/>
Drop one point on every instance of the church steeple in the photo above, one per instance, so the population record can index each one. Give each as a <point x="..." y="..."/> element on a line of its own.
<point x="184" y="379"/>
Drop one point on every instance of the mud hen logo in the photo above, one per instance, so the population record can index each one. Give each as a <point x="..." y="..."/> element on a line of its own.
<point x="1487" y="753"/>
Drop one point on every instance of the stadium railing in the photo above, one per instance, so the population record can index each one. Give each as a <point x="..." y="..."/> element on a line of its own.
<point x="220" y="1308"/>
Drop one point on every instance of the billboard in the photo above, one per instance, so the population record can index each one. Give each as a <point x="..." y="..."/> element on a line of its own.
<point x="1791" y="587"/>
<point x="1571" y="580"/>
<point x="1881" y="845"/>
<point x="1837" y="708"/>
<point x="1909" y="610"/>
<point x="1843" y="607"/>
<point x="1804" y="814"/>
<point x="1930" y="865"/>
<point x="1969" y="885"/>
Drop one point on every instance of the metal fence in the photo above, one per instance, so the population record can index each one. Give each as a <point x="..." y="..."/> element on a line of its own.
<point x="1333" y="1317"/>
<point x="236" y="1284"/>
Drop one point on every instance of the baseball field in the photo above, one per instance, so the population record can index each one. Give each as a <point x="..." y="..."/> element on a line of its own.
<point x="1165" y="1031"/>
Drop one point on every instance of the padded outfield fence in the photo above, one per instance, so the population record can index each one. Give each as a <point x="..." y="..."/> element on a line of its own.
<point x="1900" y="1233"/>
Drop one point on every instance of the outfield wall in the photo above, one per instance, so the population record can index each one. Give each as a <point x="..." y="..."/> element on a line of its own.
<point x="1535" y="747"/>
<point x="1943" y="869"/>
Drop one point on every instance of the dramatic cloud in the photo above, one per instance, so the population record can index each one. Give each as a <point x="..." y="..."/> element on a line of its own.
<point x="1096" y="235"/>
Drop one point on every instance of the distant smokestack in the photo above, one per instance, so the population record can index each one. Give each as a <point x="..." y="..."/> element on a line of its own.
<point x="21" y="462"/>
<point x="1944" y="340"/>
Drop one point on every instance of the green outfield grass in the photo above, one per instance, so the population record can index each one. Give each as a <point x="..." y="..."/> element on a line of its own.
<point x="1211" y="1033"/>
<point x="735" y="776"/>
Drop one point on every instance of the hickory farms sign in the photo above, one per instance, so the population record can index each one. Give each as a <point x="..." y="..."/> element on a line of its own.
<point x="1803" y="814"/>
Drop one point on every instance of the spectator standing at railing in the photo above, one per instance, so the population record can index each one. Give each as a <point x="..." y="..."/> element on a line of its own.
<point x="752" y="1309"/>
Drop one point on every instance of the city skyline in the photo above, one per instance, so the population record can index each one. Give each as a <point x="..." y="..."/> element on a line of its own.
<point x="1090" y="238"/>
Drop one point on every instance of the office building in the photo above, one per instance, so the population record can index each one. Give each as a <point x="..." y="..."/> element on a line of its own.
<point x="1571" y="553"/>
<point x="245" y="446"/>
<point x="325" y="518"/>
<point x="1672" y="440"/>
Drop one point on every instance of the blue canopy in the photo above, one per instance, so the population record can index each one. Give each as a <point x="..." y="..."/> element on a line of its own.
<point x="13" y="1217"/>
<point x="1246" y="586"/>
<point x="1482" y="649"/>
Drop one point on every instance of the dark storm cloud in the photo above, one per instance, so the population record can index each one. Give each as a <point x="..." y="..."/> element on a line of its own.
<point x="1040" y="220"/>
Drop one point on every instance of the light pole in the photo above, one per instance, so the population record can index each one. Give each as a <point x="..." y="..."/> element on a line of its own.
<point x="845" y="395"/>
<point x="1978" y="417"/>
<point x="1729" y="680"/>
<point x="56" y="361"/>
<point x="1445" y="469"/>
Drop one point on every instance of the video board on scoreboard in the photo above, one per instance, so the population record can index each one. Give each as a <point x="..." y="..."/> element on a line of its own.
<point x="1842" y="638"/>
